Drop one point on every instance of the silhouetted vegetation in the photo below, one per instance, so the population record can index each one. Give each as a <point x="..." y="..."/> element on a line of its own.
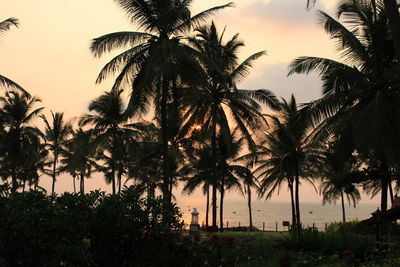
<point x="206" y="133"/>
<point x="95" y="229"/>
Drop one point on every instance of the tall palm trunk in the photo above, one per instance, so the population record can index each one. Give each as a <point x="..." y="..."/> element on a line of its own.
<point x="384" y="194"/>
<point x="17" y="147"/>
<point x="207" y="204"/>
<point x="23" y="186"/>
<point x="152" y="190"/>
<point x="82" y="183"/>
<point x="392" y="12"/>
<point x="214" y="181"/>
<point x="171" y="184"/>
<point x="297" y="181"/>
<point x="119" y="182"/>
<point x="113" y="178"/>
<point x="221" y="205"/>
<point x="54" y="174"/>
<point x="249" y="206"/>
<point x="343" y="209"/>
<point x="113" y="162"/>
<point x="14" y="182"/>
<point x="297" y="202"/>
<point x="73" y="180"/>
<point x="164" y="137"/>
<point x="214" y="207"/>
<point x="391" y="192"/>
<point x="292" y="202"/>
<point x="384" y="184"/>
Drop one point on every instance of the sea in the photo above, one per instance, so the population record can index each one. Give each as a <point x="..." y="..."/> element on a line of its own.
<point x="270" y="215"/>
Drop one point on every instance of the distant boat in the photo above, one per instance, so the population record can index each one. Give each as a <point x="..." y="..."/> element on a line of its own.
<point x="310" y="212"/>
<point x="234" y="212"/>
<point x="258" y="210"/>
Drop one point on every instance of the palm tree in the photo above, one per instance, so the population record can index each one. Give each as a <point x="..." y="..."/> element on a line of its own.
<point x="338" y="173"/>
<point x="232" y="175"/>
<point x="144" y="166"/>
<point x="78" y="156"/>
<point x="392" y="12"/>
<point x="284" y="156"/>
<point x="218" y="95"/>
<point x="18" y="113"/>
<point x="35" y="157"/>
<point x="111" y="131"/>
<point x="360" y="94"/>
<point x="4" y="81"/>
<point x="56" y="134"/>
<point x="154" y="58"/>
<point x="199" y="165"/>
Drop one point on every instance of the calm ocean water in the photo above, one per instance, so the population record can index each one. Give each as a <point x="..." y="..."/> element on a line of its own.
<point x="236" y="211"/>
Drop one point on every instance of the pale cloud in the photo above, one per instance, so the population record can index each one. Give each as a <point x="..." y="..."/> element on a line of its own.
<point x="274" y="77"/>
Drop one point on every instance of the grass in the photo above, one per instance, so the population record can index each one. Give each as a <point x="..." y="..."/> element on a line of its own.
<point x="281" y="249"/>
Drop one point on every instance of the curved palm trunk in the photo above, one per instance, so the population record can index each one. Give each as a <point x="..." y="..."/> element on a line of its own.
<point x="343" y="209"/>
<point x="292" y="203"/>
<point x="221" y="206"/>
<point x="82" y="183"/>
<point x="207" y="204"/>
<point x="164" y="137"/>
<point x="392" y="12"/>
<point x="249" y="206"/>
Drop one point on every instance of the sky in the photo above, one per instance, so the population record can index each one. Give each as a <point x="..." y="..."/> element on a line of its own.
<point x="49" y="53"/>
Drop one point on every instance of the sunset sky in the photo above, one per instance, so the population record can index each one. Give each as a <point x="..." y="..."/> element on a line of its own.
<point x="49" y="54"/>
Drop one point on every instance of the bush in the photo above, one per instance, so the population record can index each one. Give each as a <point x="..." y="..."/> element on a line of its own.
<point x="86" y="230"/>
<point x="340" y="241"/>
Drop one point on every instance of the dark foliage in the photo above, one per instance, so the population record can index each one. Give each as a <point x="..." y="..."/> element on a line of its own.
<point x="87" y="230"/>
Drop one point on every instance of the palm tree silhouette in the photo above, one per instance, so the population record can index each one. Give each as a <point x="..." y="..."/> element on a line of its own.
<point x="218" y="95"/>
<point x="361" y="94"/>
<point x="78" y="156"/>
<point x="144" y="158"/>
<point x="284" y="155"/>
<point x="392" y="12"/>
<point x="18" y="113"/>
<point x="111" y="132"/>
<point x="339" y="170"/>
<point x="154" y="58"/>
<point x="56" y="133"/>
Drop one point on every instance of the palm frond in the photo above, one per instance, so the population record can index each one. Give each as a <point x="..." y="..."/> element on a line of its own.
<point x="109" y="42"/>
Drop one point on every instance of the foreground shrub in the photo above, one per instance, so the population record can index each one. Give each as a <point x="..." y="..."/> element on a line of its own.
<point x="85" y="230"/>
<point x="343" y="242"/>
